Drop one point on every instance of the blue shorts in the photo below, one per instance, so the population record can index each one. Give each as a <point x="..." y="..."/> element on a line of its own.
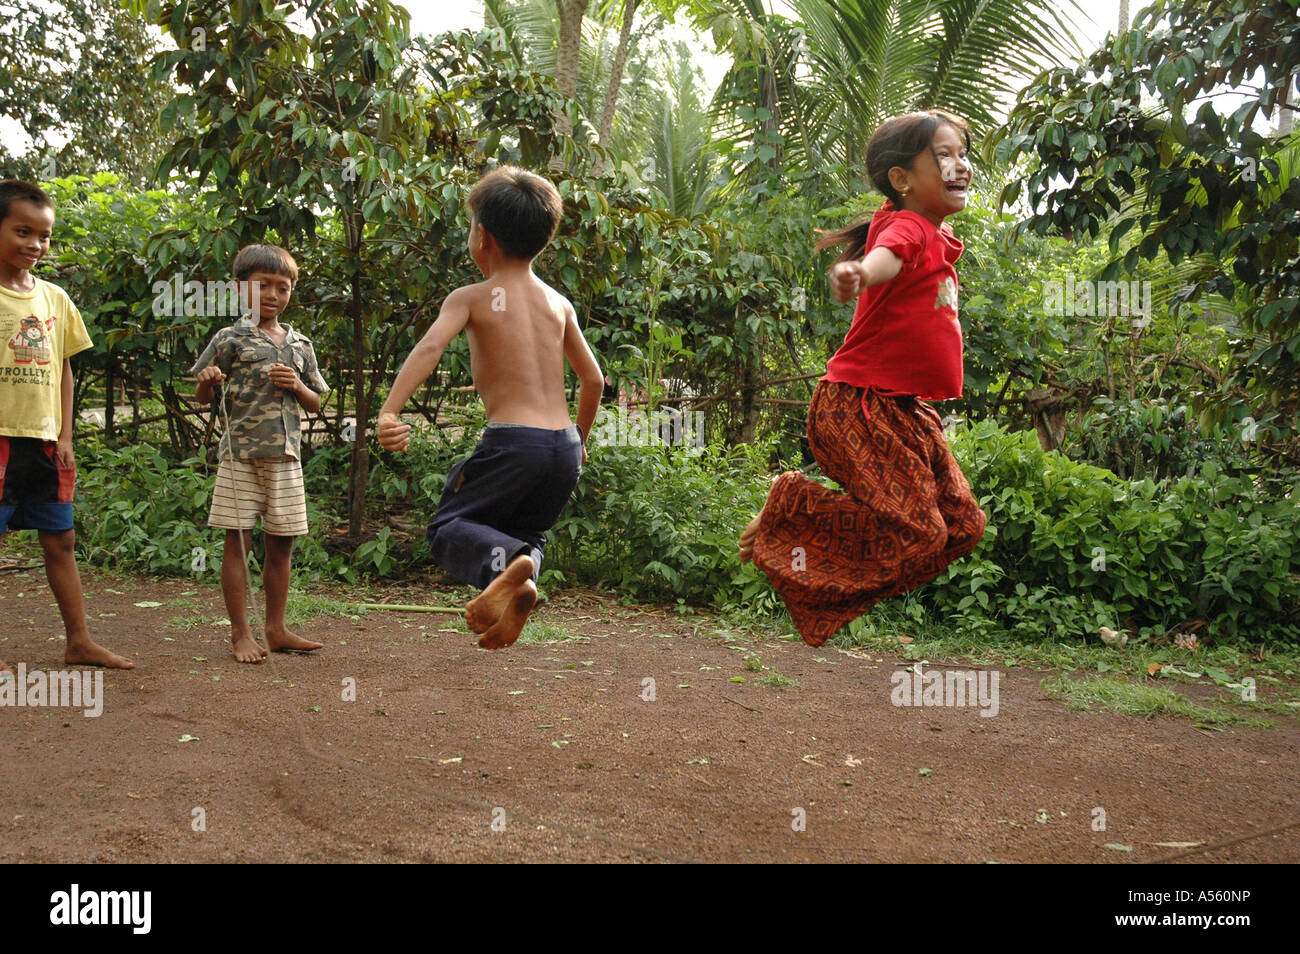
<point x="35" y="492"/>
<point x="499" y="503"/>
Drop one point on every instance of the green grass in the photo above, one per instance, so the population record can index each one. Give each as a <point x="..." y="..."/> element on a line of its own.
<point x="187" y="623"/>
<point x="307" y="606"/>
<point x="537" y="633"/>
<point x="1275" y="668"/>
<point x="1134" y="698"/>
<point x="777" y="681"/>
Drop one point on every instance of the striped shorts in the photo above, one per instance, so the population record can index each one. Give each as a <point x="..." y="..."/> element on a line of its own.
<point x="269" y="487"/>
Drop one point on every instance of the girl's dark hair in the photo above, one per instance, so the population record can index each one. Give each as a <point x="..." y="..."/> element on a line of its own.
<point x="897" y="142"/>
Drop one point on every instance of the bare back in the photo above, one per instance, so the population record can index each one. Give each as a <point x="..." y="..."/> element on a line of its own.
<point x="516" y="332"/>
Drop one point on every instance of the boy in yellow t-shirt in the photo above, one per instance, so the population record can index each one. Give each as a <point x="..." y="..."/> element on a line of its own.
<point x="40" y="329"/>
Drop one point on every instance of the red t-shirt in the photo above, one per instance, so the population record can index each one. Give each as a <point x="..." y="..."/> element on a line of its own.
<point x="905" y="337"/>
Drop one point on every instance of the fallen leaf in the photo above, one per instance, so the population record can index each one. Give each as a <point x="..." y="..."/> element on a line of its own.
<point x="188" y="738"/>
<point x="1153" y="669"/>
<point x="1175" y="844"/>
<point x="1041" y="817"/>
<point x="925" y="772"/>
<point x="851" y="762"/>
<point x="515" y="692"/>
<point x="1115" y="846"/>
<point x="449" y="761"/>
<point x="148" y="604"/>
<point x="905" y="640"/>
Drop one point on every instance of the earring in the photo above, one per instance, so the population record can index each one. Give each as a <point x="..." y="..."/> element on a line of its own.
<point x="904" y="191"/>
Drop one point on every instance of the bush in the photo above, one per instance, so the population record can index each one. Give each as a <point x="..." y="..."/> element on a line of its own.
<point x="1071" y="547"/>
<point x="658" y="523"/>
<point x="1156" y="438"/>
<point x="137" y="509"/>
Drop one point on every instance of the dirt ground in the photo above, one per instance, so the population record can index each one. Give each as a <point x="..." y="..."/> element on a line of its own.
<point x="555" y="751"/>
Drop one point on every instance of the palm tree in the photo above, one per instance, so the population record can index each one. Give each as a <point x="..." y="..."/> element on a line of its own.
<point x="823" y="82"/>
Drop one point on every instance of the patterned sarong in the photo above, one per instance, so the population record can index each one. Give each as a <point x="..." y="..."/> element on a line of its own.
<point x="905" y="513"/>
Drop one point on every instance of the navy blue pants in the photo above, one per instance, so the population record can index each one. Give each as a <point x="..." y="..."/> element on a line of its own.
<point x="500" y="501"/>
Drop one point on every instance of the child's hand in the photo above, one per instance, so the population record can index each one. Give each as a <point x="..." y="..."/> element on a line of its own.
<point x="283" y="376"/>
<point x="393" y="434"/>
<point x="63" y="453"/>
<point x="211" y="375"/>
<point x="846" y="281"/>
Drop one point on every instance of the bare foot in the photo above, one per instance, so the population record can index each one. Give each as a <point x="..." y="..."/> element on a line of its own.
<point x="482" y="612"/>
<point x="506" y="630"/>
<point x="283" y="641"/>
<point x="246" y="649"/>
<point x="747" y="538"/>
<point x="87" y="652"/>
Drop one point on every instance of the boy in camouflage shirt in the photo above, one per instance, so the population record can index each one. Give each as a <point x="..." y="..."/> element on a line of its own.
<point x="272" y="373"/>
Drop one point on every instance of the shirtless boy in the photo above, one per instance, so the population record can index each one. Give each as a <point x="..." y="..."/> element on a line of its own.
<point x="489" y="529"/>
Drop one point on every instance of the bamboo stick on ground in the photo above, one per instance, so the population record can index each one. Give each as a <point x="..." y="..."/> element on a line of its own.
<point x="403" y="608"/>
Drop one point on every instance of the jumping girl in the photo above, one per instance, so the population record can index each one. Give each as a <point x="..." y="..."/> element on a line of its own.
<point x="906" y="510"/>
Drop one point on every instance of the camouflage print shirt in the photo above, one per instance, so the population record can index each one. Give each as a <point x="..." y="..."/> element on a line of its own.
<point x="265" y="420"/>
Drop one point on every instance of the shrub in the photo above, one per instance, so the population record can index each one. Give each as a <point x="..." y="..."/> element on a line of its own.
<point x="659" y="523"/>
<point x="1071" y="547"/>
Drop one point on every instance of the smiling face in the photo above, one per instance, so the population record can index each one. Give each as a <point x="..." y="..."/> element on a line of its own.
<point x="936" y="186"/>
<point x="269" y="291"/>
<point x="24" y="238"/>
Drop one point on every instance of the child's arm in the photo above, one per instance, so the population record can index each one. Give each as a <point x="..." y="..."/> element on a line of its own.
<point x="283" y="376"/>
<point x="419" y="364"/>
<point x="211" y="368"/>
<point x="63" y="448"/>
<point x="849" y="278"/>
<point x="208" y="378"/>
<point x="591" y="381"/>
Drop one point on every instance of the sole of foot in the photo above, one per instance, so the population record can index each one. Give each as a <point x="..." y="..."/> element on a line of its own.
<point x="483" y="612"/>
<point x="506" y="630"/>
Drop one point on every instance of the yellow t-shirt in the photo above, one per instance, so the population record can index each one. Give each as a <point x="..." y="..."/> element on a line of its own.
<point x="38" y="329"/>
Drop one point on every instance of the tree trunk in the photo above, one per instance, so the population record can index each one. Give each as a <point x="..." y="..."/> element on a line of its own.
<point x="749" y="407"/>
<point x="1123" y="16"/>
<point x="360" y="448"/>
<point x="566" y="60"/>
<point x="616" y="71"/>
<point x="110" y="384"/>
